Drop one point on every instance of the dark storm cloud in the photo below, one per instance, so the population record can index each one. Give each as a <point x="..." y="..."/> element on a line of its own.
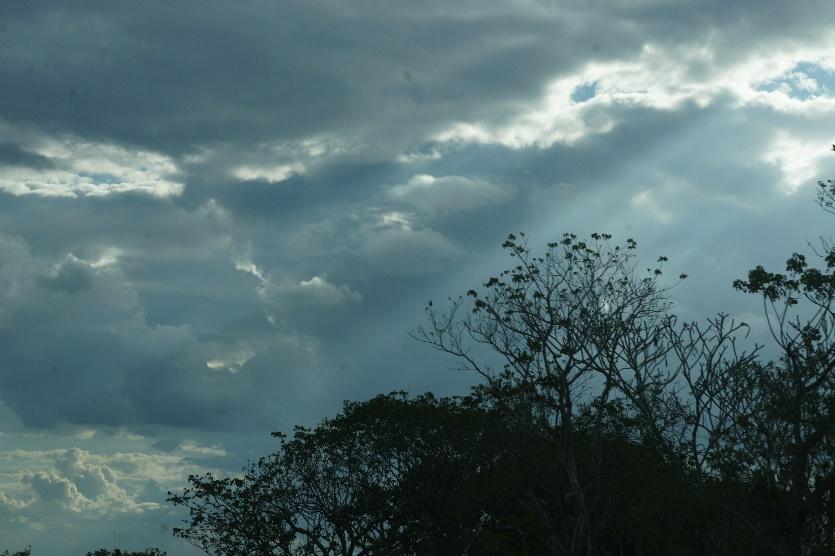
<point x="343" y="228"/>
<point x="177" y="78"/>
<point x="12" y="155"/>
<point x="126" y="320"/>
<point x="173" y="78"/>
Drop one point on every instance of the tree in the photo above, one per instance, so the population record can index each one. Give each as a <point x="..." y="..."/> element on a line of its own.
<point x="791" y="424"/>
<point x="356" y="484"/>
<point x="826" y="195"/>
<point x="25" y="552"/>
<point x="580" y="327"/>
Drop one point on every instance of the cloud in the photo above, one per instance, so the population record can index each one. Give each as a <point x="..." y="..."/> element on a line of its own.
<point x="54" y="489"/>
<point x="220" y="221"/>
<point x="798" y="158"/>
<point x="393" y="247"/>
<point x="434" y="195"/>
<point x="191" y="447"/>
<point x="68" y="166"/>
<point x="289" y="302"/>
<point x="79" y="326"/>
<point x="77" y="481"/>
<point x="71" y="275"/>
<point x="316" y="291"/>
<point x="662" y="77"/>
<point x="272" y="174"/>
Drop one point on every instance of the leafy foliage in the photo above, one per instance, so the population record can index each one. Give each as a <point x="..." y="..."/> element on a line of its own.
<point x="352" y="485"/>
<point x="791" y="427"/>
<point x="25" y="552"/>
<point x="826" y="195"/>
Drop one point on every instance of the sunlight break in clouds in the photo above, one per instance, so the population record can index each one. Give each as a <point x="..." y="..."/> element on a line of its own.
<point x="442" y="194"/>
<point x="272" y="174"/>
<point x="580" y="105"/>
<point x="72" y="167"/>
<point x="799" y="159"/>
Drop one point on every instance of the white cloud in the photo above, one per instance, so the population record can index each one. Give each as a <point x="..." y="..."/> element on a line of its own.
<point x="443" y="194"/>
<point x="231" y="361"/>
<point x="282" y="297"/>
<point x="272" y="174"/>
<point x="74" y="167"/>
<point x="323" y="292"/>
<point x="660" y="77"/>
<point x="52" y="489"/>
<point x="396" y="219"/>
<point x="275" y="162"/>
<point x="411" y="157"/>
<point x="646" y="202"/>
<point x="194" y="448"/>
<point x="46" y="482"/>
<point x="798" y="158"/>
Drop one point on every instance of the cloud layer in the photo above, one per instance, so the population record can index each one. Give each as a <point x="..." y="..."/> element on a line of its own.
<point x="220" y="220"/>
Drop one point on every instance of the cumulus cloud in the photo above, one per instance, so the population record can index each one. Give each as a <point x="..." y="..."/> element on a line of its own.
<point x="77" y="481"/>
<point x="79" y="325"/>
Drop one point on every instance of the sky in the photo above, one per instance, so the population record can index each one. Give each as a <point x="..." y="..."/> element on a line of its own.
<point x="220" y="219"/>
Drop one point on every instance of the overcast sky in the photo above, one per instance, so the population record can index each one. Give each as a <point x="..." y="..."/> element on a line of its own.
<point x="222" y="218"/>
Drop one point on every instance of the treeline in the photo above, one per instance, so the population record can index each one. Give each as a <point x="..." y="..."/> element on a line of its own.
<point x="604" y="426"/>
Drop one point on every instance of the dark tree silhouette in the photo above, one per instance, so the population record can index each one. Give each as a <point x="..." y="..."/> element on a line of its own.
<point x="356" y="484"/>
<point x="790" y="435"/>
<point x="25" y="552"/>
<point x="581" y="324"/>
<point x="826" y="195"/>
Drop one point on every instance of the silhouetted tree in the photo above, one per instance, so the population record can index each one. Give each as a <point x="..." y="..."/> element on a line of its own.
<point x="465" y="476"/>
<point x="826" y="195"/>
<point x="356" y="484"/>
<point x="790" y="433"/>
<point x="581" y="325"/>
<point x="25" y="552"/>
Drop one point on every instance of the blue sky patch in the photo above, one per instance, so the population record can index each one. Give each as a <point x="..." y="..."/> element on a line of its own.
<point x="803" y="81"/>
<point x="584" y="92"/>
